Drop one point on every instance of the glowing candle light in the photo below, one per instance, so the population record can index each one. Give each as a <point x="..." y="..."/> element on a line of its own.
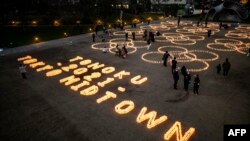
<point x="80" y="71"/>
<point x="75" y="59"/>
<point x="108" y="70"/>
<point x="30" y="61"/>
<point x="85" y="62"/>
<point x="47" y="67"/>
<point x="121" y="74"/>
<point x="107" y="96"/>
<point x="24" y="58"/>
<point x="34" y="65"/>
<point x="124" y="107"/>
<point x="95" y="66"/>
<point x="69" y="80"/>
<point x="78" y="86"/>
<point x="135" y="80"/>
<point x="150" y="116"/>
<point x="176" y="129"/>
<point x="92" y="90"/>
<point x="121" y="89"/>
<point x="53" y="73"/>
<point x="70" y="67"/>
<point x="59" y="64"/>
<point x="105" y="82"/>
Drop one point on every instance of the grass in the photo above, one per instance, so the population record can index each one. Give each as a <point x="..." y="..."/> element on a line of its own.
<point x="13" y="36"/>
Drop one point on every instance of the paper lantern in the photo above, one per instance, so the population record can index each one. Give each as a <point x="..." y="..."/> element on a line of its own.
<point x="176" y="129"/>
<point x="78" y="86"/>
<point x="69" y="80"/>
<point x="75" y="59"/>
<point x="80" y="71"/>
<point x="92" y="90"/>
<point x="107" y="96"/>
<point x="29" y="61"/>
<point x="108" y="70"/>
<point x="150" y="116"/>
<point x="121" y="74"/>
<point x="47" y="67"/>
<point x="95" y="66"/>
<point x="107" y="81"/>
<point x="121" y="89"/>
<point x="124" y="107"/>
<point x="85" y="62"/>
<point x="34" y="65"/>
<point x="135" y="80"/>
<point x="53" y="72"/>
<point x="24" y="58"/>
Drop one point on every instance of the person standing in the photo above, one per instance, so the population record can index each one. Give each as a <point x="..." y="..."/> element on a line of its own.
<point x="179" y="20"/>
<point x="184" y="71"/>
<point x="174" y="64"/>
<point x="218" y="67"/>
<point x="196" y="84"/>
<point x="209" y="33"/>
<point x="226" y="67"/>
<point x="206" y="23"/>
<point x="105" y="49"/>
<point x="22" y="69"/>
<point x="248" y="54"/>
<point x="93" y="37"/>
<point x="126" y="36"/>
<point x="165" y="58"/>
<point x="176" y="78"/>
<point x="187" y="79"/>
<point x="133" y="35"/>
<point x="96" y="30"/>
<point x="220" y="25"/>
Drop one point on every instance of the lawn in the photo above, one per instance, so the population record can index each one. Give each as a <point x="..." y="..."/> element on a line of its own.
<point x="13" y="36"/>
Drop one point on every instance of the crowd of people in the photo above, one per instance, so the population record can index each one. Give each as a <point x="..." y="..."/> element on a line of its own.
<point x="121" y="52"/>
<point x="186" y="75"/>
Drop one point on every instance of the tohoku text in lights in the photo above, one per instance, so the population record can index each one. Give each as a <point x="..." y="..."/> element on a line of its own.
<point x="80" y="80"/>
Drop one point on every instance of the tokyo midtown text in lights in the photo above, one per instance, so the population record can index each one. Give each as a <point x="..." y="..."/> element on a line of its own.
<point x="82" y="83"/>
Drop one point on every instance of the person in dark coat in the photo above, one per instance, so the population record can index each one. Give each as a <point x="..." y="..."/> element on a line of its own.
<point x="196" y="84"/>
<point x="218" y="68"/>
<point x="176" y="78"/>
<point x="179" y="20"/>
<point x="165" y="58"/>
<point x="226" y="67"/>
<point x="209" y="32"/>
<point x="184" y="71"/>
<point x="174" y="64"/>
<point x="187" y="79"/>
<point x="93" y="37"/>
<point x="126" y="36"/>
<point x="96" y="30"/>
<point x="133" y="35"/>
